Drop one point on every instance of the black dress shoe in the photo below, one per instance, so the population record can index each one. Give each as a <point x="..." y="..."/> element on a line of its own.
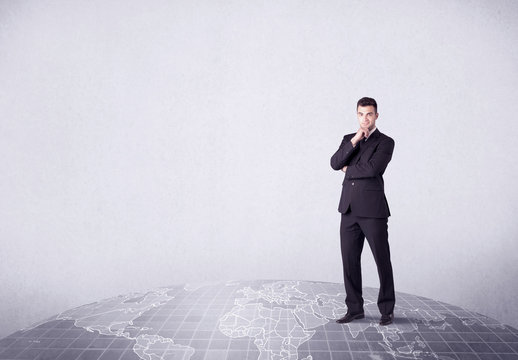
<point x="350" y="317"/>
<point x="386" y="319"/>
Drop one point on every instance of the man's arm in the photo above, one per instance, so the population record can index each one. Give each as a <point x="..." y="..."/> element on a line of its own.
<point x="375" y="166"/>
<point x="342" y="156"/>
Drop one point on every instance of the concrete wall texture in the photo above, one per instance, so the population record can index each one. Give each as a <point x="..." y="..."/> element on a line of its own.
<point x="147" y="144"/>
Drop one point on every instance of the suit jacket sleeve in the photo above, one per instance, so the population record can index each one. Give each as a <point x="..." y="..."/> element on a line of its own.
<point x="343" y="155"/>
<point x="375" y="165"/>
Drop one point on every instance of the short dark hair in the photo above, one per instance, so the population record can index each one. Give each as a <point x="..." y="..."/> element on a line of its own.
<point x="367" y="101"/>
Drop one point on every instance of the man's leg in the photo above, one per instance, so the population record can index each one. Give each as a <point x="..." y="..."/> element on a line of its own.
<point x="377" y="236"/>
<point x="351" y="241"/>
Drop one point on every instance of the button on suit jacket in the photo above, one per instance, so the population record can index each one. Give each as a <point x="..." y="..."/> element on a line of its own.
<point x="363" y="190"/>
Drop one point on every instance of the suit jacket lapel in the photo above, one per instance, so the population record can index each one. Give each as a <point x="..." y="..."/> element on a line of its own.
<point x="371" y="141"/>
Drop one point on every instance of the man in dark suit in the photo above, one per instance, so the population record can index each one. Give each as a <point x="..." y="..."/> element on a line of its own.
<point x="363" y="157"/>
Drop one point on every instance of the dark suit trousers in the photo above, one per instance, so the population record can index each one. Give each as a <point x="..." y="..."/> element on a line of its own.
<point x="353" y="231"/>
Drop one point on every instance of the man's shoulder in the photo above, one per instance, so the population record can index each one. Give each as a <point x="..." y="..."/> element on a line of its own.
<point x="349" y="136"/>
<point x="384" y="137"/>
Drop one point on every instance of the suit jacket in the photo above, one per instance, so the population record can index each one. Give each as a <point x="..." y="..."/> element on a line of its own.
<point x="363" y="189"/>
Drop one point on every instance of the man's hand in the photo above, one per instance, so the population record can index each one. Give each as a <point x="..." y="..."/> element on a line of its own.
<point x="360" y="134"/>
<point x="344" y="169"/>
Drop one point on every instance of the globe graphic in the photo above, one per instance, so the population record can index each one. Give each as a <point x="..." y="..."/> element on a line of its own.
<point x="259" y="320"/>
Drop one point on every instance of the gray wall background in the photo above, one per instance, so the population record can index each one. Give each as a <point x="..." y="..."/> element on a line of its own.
<point x="147" y="144"/>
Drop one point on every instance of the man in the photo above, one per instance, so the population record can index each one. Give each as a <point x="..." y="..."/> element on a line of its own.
<point x="363" y="157"/>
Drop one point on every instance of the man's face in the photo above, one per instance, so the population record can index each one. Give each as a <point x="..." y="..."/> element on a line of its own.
<point x="367" y="117"/>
